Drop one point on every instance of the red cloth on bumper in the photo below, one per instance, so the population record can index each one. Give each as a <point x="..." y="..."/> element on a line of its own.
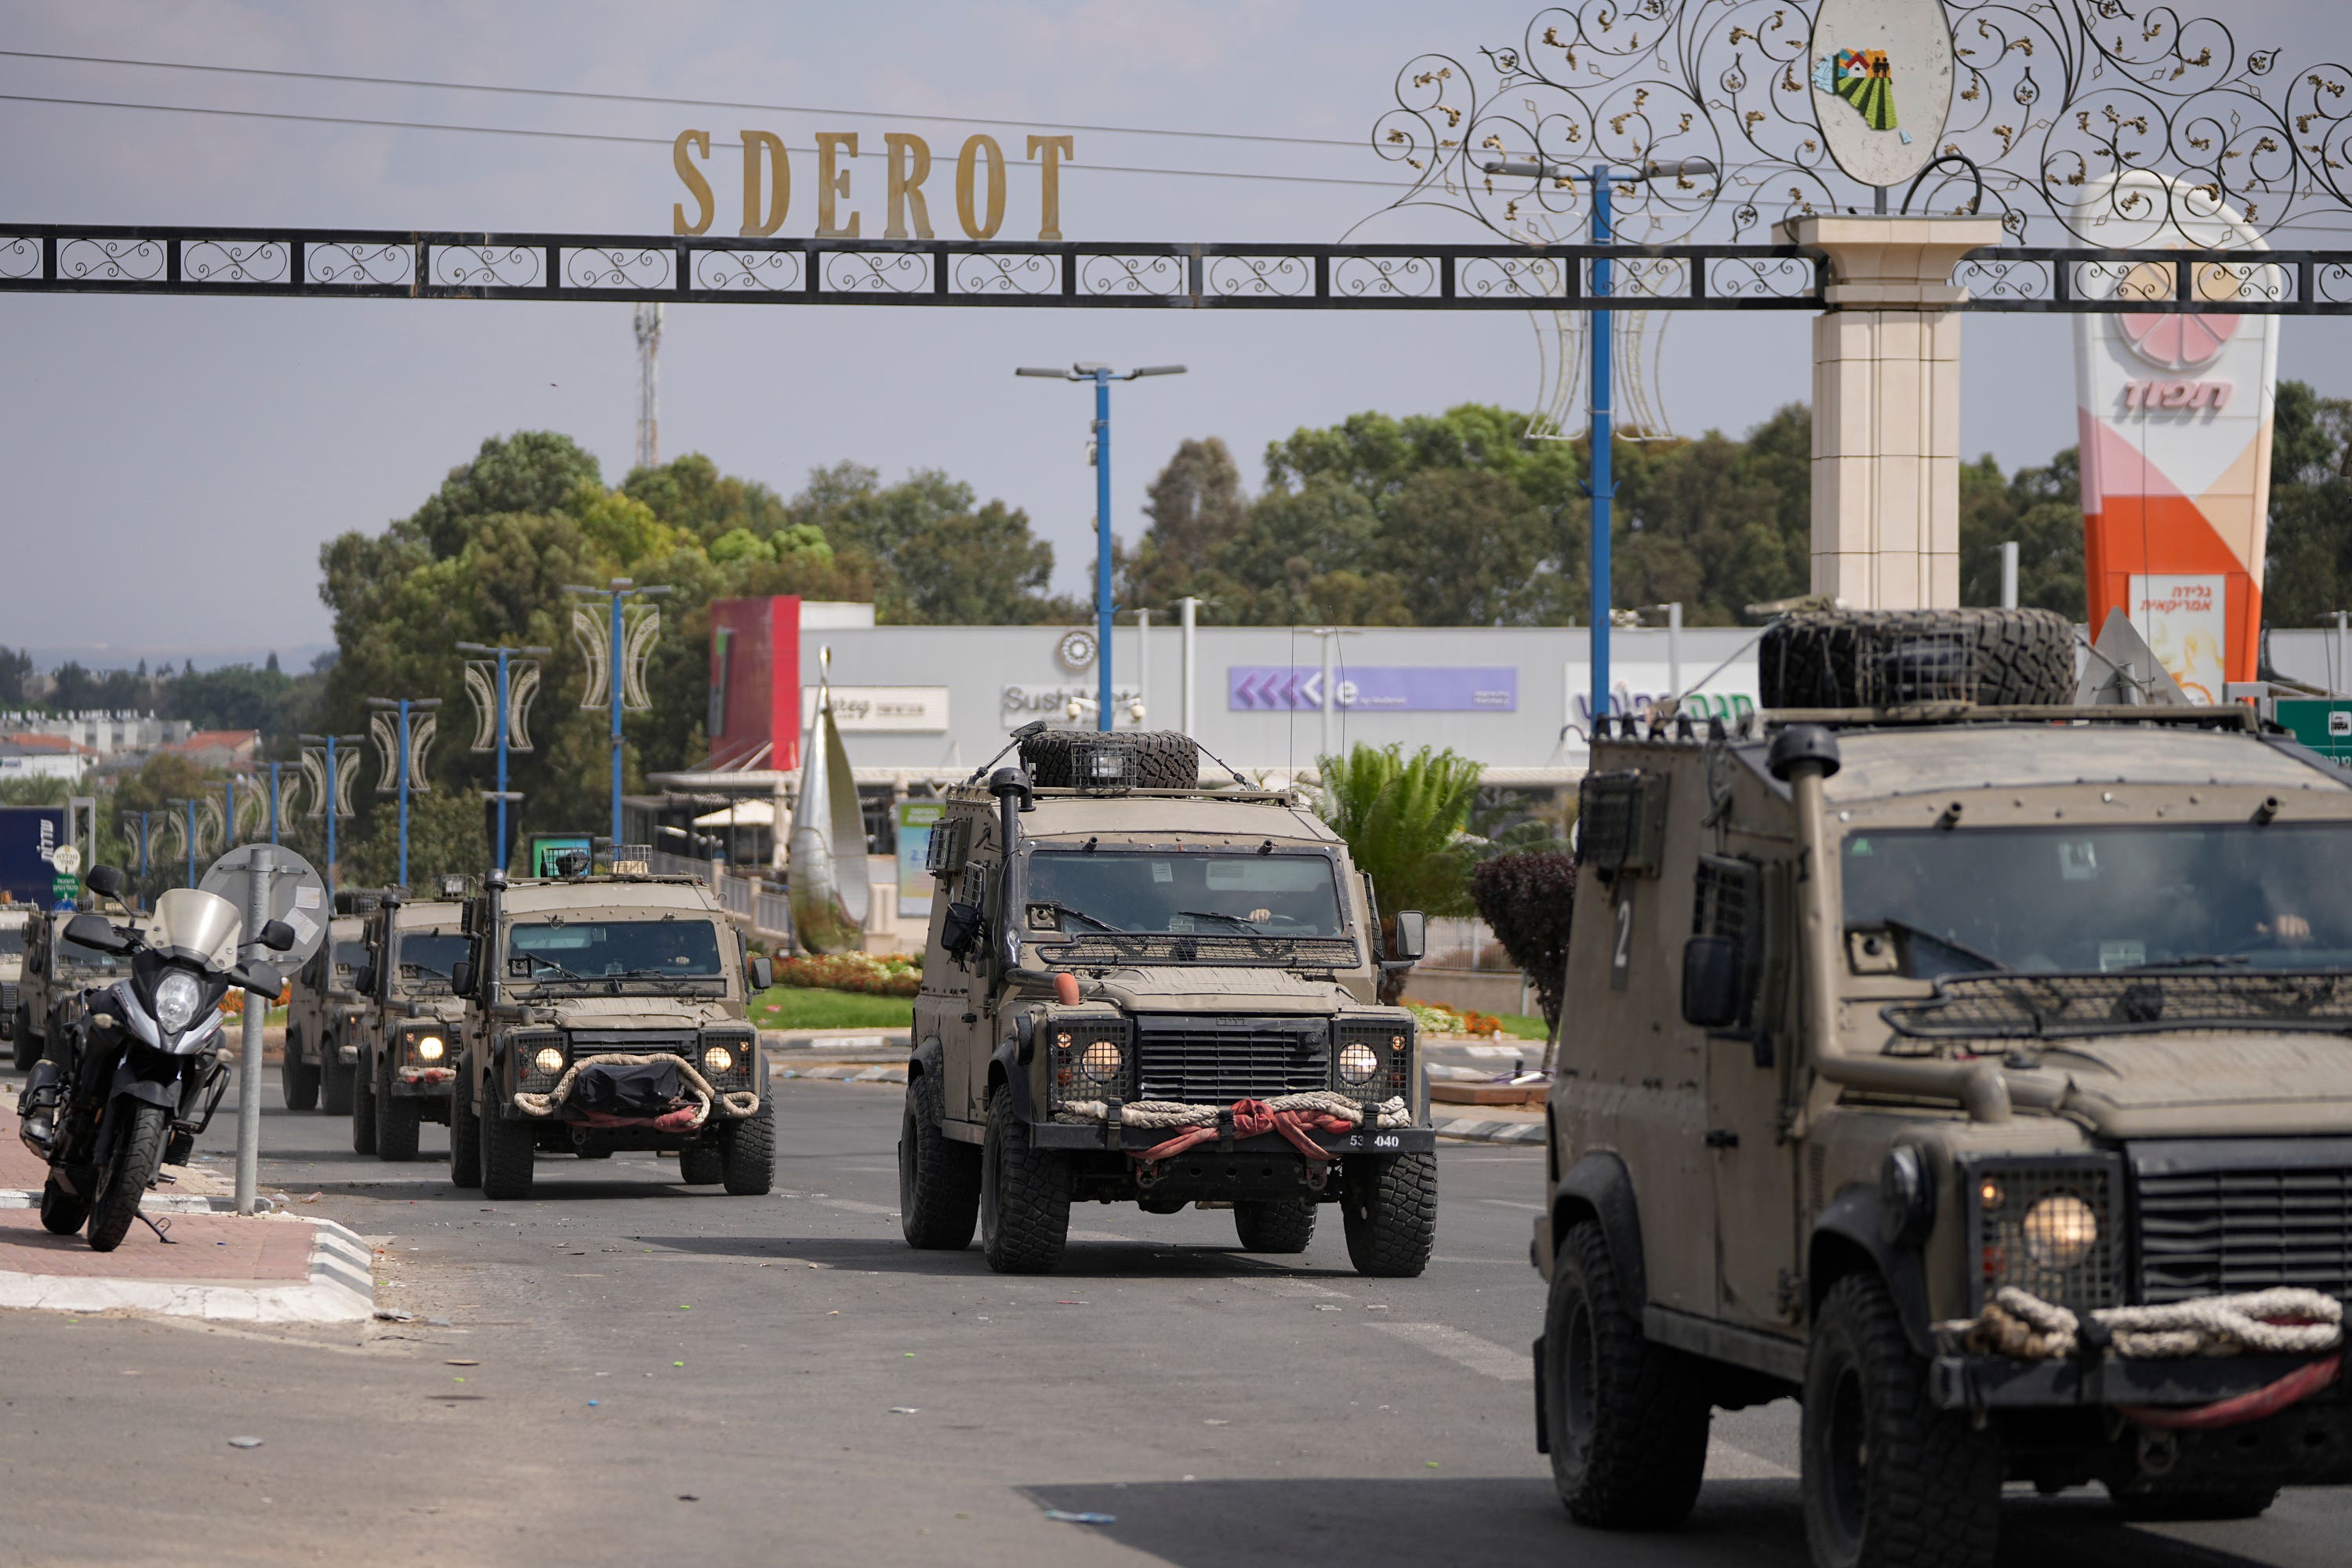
<point x="1251" y="1117"/>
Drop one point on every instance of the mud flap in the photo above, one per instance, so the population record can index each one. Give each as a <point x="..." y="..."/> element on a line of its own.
<point x="1543" y="1428"/>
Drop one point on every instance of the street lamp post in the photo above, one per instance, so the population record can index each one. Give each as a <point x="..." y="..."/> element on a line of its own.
<point x="1602" y="484"/>
<point x="1102" y="376"/>
<point x="617" y="592"/>
<point x="503" y="694"/>
<point x="188" y="804"/>
<point x="405" y="707"/>
<point x="331" y="799"/>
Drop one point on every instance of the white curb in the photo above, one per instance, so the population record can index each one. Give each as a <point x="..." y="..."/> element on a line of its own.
<point x="341" y="1289"/>
<point x="1474" y="1131"/>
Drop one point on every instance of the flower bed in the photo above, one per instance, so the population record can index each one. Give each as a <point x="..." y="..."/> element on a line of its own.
<point x="1437" y="1019"/>
<point x="884" y="974"/>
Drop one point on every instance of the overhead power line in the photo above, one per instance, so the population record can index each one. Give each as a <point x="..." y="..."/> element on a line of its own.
<point x="640" y="140"/>
<point x="684" y="102"/>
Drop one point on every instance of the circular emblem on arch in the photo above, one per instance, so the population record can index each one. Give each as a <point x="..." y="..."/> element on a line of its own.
<point x="1882" y="75"/>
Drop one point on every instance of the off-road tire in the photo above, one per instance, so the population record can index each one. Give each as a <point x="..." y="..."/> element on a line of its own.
<point x="939" y="1178"/>
<point x="465" y="1138"/>
<point x="62" y="1212"/>
<point x="1024" y="1195"/>
<point x="510" y="1153"/>
<point x="363" y="1112"/>
<point x="138" y="1156"/>
<point x="1625" y="1420"/>
<point x="1164" y="759"/>
<point x="297" y="1079"/>
<point x="1819" y="659"/>
<point x="398" y="1120"/>
<point x="337" y="1079"/>
<point x="2183" y="1503"/>
<point x="28" y="1045"/>
<point x="749" y="1147"/>
<point x="1274" y="1225"/>
<point x="702" y="1164"/>
<point x="1887" y="1477"/>
<point x="1388" y="1205"/>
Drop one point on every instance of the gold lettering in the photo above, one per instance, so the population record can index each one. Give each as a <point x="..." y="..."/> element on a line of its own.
<point x="911" y="166"/>
<point x="695" y="182"/>
<point x="1056" y="148"/>
<point x="757" y="143"/>
<point x="967" y="164"/>
<point x="832" y="187"/>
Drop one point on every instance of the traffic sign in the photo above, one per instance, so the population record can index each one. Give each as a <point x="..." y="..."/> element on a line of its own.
<point x="67" y="859"/>
<point x="2322" y="723"/>
<point x="296" y="895"/>
<point x="65" y="890"/>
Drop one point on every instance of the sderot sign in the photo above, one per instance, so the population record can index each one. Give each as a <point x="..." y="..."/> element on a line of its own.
<point x="2176" y="437"/>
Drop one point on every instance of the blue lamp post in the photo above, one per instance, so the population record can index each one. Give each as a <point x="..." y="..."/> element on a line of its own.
<point x="1102" y="376"/>
<point x="502" y="700"/>
<point x="407" y="708"/>
<point x="331" y="802"/>
<point x="615" y="676"/>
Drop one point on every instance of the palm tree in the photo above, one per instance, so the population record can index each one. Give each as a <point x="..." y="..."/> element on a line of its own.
<point x="1405" y="821"/>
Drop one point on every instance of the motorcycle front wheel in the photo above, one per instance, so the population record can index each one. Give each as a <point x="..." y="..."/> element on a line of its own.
<point x="122" y="1180"/>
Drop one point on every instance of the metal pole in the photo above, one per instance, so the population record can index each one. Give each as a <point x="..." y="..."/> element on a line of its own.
<point x="1142" y="664"/>
<point x="498" y="845"/>
<point x="404" y="792"/>
<point x="1675" y="648"/>
<point x="2343" y="645"/>
<point x="142" y="846"/>
<point x="1187" y="609"/>
<point x="1604" y="485"/>
<point x="228" y="813"/>
<point x="1329" y="636"/>
<point x="2009" y="574"/>
<point x="256" y="1017"/>
<point x="616" y="657"/>
<point x="190" y="804"/>
<point x="330" y="825"/>
<point x="1102" y="546"/>
<point x="273" y="801"/>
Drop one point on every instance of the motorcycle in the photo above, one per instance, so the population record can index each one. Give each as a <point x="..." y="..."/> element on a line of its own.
<point x="139" y="1075"/>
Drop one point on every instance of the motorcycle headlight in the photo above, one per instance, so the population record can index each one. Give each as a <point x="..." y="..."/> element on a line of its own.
<point x="176" y="995"/>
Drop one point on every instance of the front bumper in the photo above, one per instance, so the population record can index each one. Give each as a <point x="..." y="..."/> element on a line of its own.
<point x="1135" y="1139"/>
<point x="2007" y="1382"/>
<point x="422" y="1082"/>
<point x="728" y="1101"/>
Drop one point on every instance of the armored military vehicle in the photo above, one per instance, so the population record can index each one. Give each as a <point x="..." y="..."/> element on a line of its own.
<point x="1952" y="1059"/>
<point x="408" y="1036"/>
<point x="57" y="970"/>
<point x="15" y="919"/>
<point x="607" y="1013"/>
<point x="1140" y="990"/>
<point x="325" y="1016"/>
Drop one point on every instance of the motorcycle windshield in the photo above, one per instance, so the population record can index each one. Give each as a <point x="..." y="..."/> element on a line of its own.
<point x="199" y="922"/>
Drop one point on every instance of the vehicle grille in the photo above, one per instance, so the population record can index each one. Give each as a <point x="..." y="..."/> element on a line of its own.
<point x="1216" y="1061"/>
<point x="2001" y="1197"/>
<point x="2228" y="1215"/>
<point x="8" y="997"/>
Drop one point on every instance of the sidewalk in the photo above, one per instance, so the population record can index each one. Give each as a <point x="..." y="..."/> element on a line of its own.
<point x="270" y="1269"/>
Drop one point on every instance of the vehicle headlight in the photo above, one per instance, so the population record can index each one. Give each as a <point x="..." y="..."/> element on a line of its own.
<point x="549" y="1061"/>
<point x="717" y="1058"/>
<point x="1102" y="1061"/>
<point x="1358" y="1062"/>
<point x="2060" y="1231"/>
<point x="176" y="995"/>
<point x="431" y="1048"/>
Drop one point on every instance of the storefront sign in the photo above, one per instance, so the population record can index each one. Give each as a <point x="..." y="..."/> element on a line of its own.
<point x="916" y="884"/>
<point x="1374" y="688"/>
<point x="904" y="710"/>
<point x="1020" y="703"/>
<point x="2182" y="619"/>
<point x="980" y="180"/>
<point x="1729" y="694"/>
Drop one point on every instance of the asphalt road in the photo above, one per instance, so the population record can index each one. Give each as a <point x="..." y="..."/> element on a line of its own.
<point x="632" y="1371"/>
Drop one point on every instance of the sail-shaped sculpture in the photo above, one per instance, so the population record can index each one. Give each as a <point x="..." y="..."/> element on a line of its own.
<point x="828" y="868"/>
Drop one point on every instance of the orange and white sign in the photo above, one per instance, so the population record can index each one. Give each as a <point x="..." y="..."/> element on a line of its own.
<point x="2175" y="413"/>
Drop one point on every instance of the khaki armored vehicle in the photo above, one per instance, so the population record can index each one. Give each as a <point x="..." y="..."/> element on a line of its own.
<point x="607" y="1013"/>
<point x="1938" y="1063"/>
<point x="15" y="919"/>
<point x="57" y="970"/>
<point x="325" y="1016"/>
<point x="408" y="1038"/>
<point x="1137" y="990"/>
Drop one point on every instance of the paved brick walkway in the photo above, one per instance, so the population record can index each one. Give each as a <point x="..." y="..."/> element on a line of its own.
<point x="20" y="1169"/>
<point x="204" y="1247"/>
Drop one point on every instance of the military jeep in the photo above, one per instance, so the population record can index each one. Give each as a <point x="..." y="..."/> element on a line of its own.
<point x="57" y="970"/>
<point x="1137" y="990"/>
<point x="408" y="1038"/>
<point x="325" y="1016"/>
<point x="1940" y="1062"/>
<point x="15" y="923"/>
<point x="608" y="1012"/>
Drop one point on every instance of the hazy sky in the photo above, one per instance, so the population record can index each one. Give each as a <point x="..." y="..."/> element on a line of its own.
<point x="174" y="463"/>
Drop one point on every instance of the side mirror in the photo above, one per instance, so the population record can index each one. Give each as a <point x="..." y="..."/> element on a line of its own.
<point x="461" y="977"/>
<point x="960" y="929"/>
<point x="1410" y="941"/>
<point x="365" y="981"/>
<point x="95" y="930"/>
<point x="277" y="936"/>
<point x="763" y="973"/>
<point x="106" y="881"/>
<point x="1714" y="983"/>
<point x="259" y="978"/>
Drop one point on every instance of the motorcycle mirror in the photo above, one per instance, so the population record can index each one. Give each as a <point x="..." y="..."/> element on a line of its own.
<point x="259" y="978"/>
<point x="277" y="936"/>
<point x="94" y="931"/>
<point x="106" y="881"/>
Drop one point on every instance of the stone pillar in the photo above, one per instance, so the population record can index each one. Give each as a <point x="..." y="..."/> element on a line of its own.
<point x="1887" y="407"/>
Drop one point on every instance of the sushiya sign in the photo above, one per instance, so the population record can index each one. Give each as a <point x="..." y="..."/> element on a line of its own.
<point x="980" y="177"/>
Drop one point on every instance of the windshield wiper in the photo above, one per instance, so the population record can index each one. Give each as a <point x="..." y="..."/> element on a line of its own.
<point x="2192" y="961"/>
<point x="1100" y="924"/>
<point x="561" y="972"/>
<point x="654" y="974"/>
<point x="1947" y="943"/>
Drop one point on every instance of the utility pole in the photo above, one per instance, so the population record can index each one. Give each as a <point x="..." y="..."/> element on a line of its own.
<point x="1188" y="612"/>
<point x="333" y="802"/>
<point x="648" y="324"/>
<point x="509" y="721"/>
<point x="2009" y="574"/>
<point x="616" y="665"/>
<point x="410" y="758"/>
<point x="1102" y="376"/>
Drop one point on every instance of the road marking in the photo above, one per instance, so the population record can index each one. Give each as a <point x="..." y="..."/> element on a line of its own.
<point x="1468" y="1350"/>
<point x="1731" y="1462"/>
<point x="1283" y="1286"/>
<point x="1514" y="1204"/>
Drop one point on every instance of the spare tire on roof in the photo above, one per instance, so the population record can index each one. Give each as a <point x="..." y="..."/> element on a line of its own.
<point x="1876" y="658"/>
<point x="1164" y="759"/>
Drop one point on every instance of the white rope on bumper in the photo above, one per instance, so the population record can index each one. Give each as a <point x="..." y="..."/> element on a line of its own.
<point x="2283" y="1320"/>
<point x="1156" y="1115"/>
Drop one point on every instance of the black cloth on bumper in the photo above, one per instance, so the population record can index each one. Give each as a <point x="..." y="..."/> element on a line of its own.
<point x="642" y="1089"/>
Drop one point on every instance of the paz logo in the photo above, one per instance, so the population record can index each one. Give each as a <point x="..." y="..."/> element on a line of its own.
<point x="1864" y="80"/>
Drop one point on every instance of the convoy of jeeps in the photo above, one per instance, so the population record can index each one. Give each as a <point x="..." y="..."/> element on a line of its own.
<point x="1970" y="1066"/>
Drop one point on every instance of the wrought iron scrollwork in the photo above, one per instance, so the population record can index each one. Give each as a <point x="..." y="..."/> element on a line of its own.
<point x="20" y="256"/>
<point x="1113" y="274"/>
<point x="876" y="272"/>
<point x="488" y="265"/>
<point x="617" y="267"/>
<point x="235" y="261"/>
<point x="132" y="260"/>
<point x="1006" y="272"/>
<point x="354" y="263"/>
<point x="747" y="272"/>
<point x="1260" y="277"/>
<point x="1386" y="276"/>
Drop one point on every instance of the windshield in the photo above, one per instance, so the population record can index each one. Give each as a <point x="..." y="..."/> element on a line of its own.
<point x="12" y="942"/>
<point x="1245" y="894"/>
<point x="612" y="950"/>
<point x="349" y="956"/>
<point x="2105" y="900"/>
<point x="425" y="959"/>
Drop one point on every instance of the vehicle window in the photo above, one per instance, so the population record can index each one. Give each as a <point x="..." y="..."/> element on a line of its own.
<point x="425" y="958"/>
<point x="349" y="956"/>
<point x="12" y="940"/>
<point x="75" y="959"/>
<point x="1074" y="891"/>
<point x="1965" y="902"/>
<point x="612" y="950"/>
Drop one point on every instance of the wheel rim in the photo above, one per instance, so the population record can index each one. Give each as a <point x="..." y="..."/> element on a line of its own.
<point x="1846" y="1462"/>
<point x="1582" y="1373"/>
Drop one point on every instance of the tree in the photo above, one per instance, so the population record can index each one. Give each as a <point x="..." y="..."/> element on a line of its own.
<point x="1403" y="820"/>
<point x="1197" y="510"/>
<point x="16" y="668"/>
<point x="530" y="471"/>
<point x="1470" y="550"/>
<point x="448" y="835"/>
<point x="2309" y="569"/>
<point x="2042" y="509"/>
<point x="1527" y="900"/>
